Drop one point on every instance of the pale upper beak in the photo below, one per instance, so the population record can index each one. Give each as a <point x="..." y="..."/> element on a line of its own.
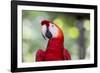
<point x="46" y="32"/>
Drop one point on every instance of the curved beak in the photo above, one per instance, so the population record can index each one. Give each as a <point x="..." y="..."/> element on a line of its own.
<point x="48" y="34"/>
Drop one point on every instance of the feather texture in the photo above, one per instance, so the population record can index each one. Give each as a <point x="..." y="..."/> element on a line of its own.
<point x="55" y="49"/>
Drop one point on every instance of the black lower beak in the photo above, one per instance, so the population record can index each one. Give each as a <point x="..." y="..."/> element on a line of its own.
<point x="48" y="34"/>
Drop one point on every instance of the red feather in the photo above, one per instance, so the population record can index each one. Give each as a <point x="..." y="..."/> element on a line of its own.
<point x="40" y="55"/>
<point x="55" y="49"/>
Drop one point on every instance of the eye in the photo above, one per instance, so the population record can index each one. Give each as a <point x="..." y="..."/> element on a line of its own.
<point x="52" y="25"/>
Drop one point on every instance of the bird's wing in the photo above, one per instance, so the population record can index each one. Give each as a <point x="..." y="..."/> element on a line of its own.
<point x="40" y="55"/>
<point x="67" y="55"/>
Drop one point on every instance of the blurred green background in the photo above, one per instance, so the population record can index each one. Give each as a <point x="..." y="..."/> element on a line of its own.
<point x="75" y="26"/>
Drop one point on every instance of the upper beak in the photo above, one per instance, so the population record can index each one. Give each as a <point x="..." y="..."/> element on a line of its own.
<point x="48" y="34"/>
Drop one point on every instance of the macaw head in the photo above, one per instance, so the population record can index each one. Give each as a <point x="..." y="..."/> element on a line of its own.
<point x="49" y="29"/>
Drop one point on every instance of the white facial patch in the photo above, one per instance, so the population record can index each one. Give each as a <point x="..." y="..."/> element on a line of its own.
<point x="53" y="29"/>
<point x="44" y="28"/>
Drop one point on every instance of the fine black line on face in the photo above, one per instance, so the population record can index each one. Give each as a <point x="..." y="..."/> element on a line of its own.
<point x="44" y="37"/>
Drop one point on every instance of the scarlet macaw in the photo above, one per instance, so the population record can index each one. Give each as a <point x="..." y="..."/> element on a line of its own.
<point x="55" y="48"/>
